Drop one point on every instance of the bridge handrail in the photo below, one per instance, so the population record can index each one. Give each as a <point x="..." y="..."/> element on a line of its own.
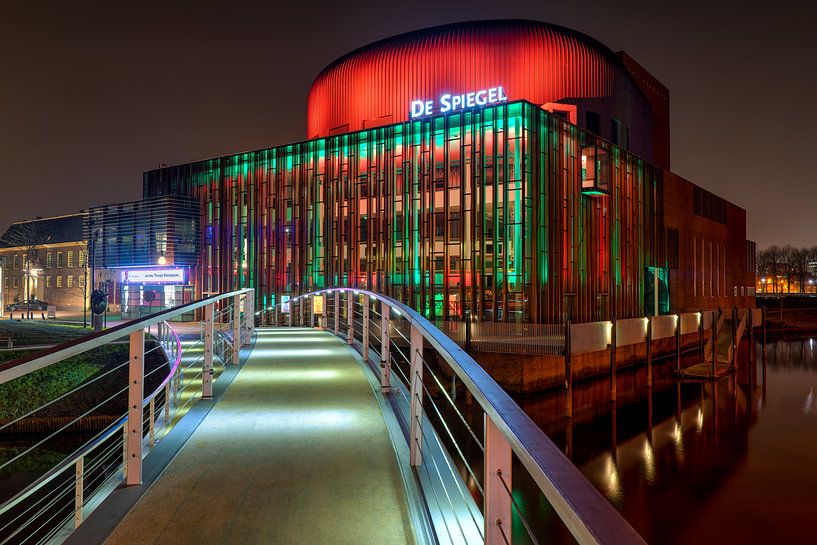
<point x="27" y="364"/>
<point x="586" y="513"/>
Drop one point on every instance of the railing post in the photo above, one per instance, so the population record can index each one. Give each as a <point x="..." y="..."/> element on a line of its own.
<point x="152" y="422"/>
<point x="136" y="394"/>
<point x="648" y="340"/>
<point x="125" y="452"/>
<point x="385" y="357"/>
<point x="236" y="329"/>
<point x="416" y="404"/>
<point x="337" y="312"/>
<point x="249" y="315"/>
<point x="350" y="314"/>
<point x="79" y="491"/>
<point x="497" y="478"/>
<point x="167" y="402"/>
<point x="207" y="367"/>
<point x="366" y="303"/>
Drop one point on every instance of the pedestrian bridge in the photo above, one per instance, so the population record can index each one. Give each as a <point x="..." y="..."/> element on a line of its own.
<point x="340" y="417"/>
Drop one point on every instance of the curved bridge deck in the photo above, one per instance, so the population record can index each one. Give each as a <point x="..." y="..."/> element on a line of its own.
<point x="296" y="451"/>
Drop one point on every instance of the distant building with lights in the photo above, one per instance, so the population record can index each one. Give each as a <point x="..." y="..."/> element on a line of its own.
<point x="44" y="259"/>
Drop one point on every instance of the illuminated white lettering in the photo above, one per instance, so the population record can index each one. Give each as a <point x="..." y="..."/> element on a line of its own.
<point x="445" y="103"/>
<point x="451" y="103"/>
<point x="481" y="100"/>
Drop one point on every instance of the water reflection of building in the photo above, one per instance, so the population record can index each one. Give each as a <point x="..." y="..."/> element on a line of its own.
<point x="657" y="455"/>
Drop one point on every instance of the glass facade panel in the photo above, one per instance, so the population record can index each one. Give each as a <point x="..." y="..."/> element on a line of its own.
<point x="479" y="212"/>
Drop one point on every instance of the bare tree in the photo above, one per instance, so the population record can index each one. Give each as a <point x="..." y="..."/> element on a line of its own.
<point x="765" y="267"/>
<point x="799" y="263"/>
<point x="787" y="261"/>
<point x="28" y="236"/>
<point x="773" y="255"/>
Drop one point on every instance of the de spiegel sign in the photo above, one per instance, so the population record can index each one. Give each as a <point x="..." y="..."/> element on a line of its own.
<point x="452" y="103"/>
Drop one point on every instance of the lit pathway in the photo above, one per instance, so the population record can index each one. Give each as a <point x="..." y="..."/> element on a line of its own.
<point x="295" y="452"/>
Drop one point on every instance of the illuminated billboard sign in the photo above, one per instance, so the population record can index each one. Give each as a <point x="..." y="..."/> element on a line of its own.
<point x="153" y="276"/>
<point x="452" y="103"/>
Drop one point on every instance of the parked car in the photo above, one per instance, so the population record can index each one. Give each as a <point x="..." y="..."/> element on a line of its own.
<point x="36" y="304"/>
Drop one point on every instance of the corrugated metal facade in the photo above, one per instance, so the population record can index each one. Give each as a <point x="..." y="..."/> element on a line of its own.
<point x="531" y="60"/>
<point x="481" y="211"/>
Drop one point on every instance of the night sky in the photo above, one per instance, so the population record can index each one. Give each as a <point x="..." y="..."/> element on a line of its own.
<point x="92" y="94"/>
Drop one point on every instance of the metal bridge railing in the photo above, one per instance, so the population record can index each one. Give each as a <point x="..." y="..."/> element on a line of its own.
<point x="477" y="457"/>
<point x="57" y="502"/>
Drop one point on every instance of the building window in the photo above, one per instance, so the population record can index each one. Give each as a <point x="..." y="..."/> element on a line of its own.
<point x="70" y="280"/>
<point x="7" y="282"/>
<point x="14" y="282"/>
<point x="59" y="280"/>
<point x="593" y="122"/>
<point x="70" y="259"/>
<point x="49" y="280"/>
<point x="83" y="256"/>
<point x="16" y="262"/>
<point x="81" y="281"/>
<point x="615" y="131"/>
<point x="49" y="260"/>
<point x="60" y="263"/>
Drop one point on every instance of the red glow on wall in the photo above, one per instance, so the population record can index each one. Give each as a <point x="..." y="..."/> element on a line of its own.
<point x="533" y="61"/>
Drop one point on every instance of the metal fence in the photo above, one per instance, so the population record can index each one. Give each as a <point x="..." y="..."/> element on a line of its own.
<point x="51" y="507"/>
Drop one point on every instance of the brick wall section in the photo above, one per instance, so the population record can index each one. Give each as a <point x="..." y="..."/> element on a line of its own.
<point x="711" y="255"/>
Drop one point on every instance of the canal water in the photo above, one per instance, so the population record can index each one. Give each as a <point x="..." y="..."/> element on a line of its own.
<point x="690" y="463"/>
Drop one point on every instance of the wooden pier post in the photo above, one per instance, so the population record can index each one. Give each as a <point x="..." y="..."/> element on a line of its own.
<point x="763" y="319"/>
<point x="613" y="378"/>
<point x="648" y="339"/>
<point x="568" y="374"/>
<point x="734" y="336"/>
<point x="701" y="355"/>
<point x="714" y="343"/>
<point x="678" y="344"/>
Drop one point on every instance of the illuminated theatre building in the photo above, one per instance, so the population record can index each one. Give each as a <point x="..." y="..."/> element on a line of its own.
<point x="513" y="170"/>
